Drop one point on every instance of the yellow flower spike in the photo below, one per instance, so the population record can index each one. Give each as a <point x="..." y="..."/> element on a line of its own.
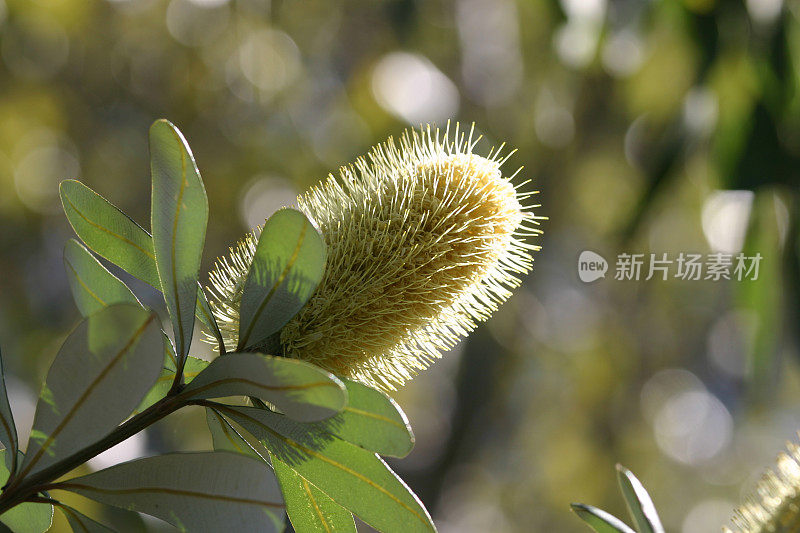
<point x="424" y="239"/>
<point x="774" y="506"/>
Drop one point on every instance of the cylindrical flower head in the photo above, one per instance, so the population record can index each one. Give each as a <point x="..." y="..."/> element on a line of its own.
<point x="424" y="239"/>
<point x="775" y="505"/>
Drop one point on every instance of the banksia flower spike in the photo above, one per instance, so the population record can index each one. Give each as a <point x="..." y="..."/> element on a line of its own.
<point x="774" y="507"/>
<point x="424" y="239"/>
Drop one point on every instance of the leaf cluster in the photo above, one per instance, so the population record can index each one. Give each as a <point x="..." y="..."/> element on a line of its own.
<point x="303" y="443"/>
<point x="640" y="507"/>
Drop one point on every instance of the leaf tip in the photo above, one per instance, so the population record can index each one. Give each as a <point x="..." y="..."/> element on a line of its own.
<point x="64" y="186"/>
<point x="623" y="472"/>
<point x="160" y="123"/>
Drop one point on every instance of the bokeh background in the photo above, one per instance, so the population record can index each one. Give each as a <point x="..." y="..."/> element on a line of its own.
<point x="649" y="126"/>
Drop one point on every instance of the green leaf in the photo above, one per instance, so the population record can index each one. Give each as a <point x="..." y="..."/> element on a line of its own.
<point x="197" y="492"/>
<point x="93" y="286"/>
<point x="286" y="269"/>
<point x="179" y="219"/>
<point x="109" y="232"/>
<point x="640" y="506"/>
<point x="599" y="520"/>
<point x="309" y="508"/>
<point x="27" y="517"/>
<point x="301" y="390"/>
<point x="226" y="438"/>
<point x="354" y="478"/>
<point x="762" y="300"/>
<point x="8" y="430"/>
<point x="104" y="368"/>
<point x="80" y="523"/>
<point x="373" y="421"/>
<point x="164" y="382"/>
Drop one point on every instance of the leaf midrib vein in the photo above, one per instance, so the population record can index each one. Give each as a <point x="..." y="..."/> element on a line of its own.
<point x="166" y="490"/>
<point x="75" y="517"/>
<point x="179" y="318"/>
<point x="313" y="500"/>
<point x="376" y="416"/>
<point x="85" y="395"/>
<point x="106" y="230"/>
<point x="83" y="283"/>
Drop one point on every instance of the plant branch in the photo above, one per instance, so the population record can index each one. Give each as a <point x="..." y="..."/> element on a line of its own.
<point x="178" y="382"/>
<point x="22" y="490"/>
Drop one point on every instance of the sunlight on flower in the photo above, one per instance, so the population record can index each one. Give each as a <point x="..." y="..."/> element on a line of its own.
<point x="424" y="238"/>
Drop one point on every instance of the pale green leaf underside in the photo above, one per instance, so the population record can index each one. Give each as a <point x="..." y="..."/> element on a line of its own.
<point x="299" y="389"/>
<point x="102" y="371"/>
<point x="111" y="234"/>
<point x="179" y="217"/>
<point x="196" y="492"/>
<point x="599" y="520"/>
<point x="287" y="267"/>
<point x="309" y="509"/>
<point x="641" y="507"/>
<point x="93" y="286"/>
<point x="354" y="478"/>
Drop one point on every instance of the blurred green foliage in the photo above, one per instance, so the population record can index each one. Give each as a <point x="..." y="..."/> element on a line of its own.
<point x="630" y="117"/>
